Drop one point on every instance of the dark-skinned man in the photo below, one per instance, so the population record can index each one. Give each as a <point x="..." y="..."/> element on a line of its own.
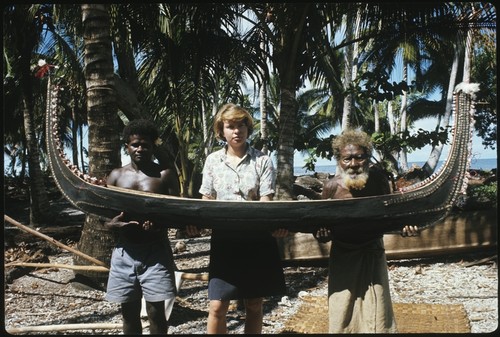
<point x="142" y="263"/>
<point x="359" y="298"/>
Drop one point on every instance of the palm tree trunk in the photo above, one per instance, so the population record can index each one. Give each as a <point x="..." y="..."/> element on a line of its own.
<point x="104" y="127"/>
<point x="468" y="57"/>
<point x="403" y="160"/>
<point x="390" y="118"/>
<point x="39" y="202"/>
<point x="82" y="159"/>
<point x="350" y="67"/>
<point x="431" y="164"/>
<point x="286" y="62"/>
<point x="263" y="117"/>
<point x="74" y="143"/>
<point x="288" y="116"/>
<point x="263" y="103"/>
<point x="204" y="126"/>
<point x="376" y="117"/>
<point x="21" y="38"/>
<point x="183" y="139"/>
<point x="348" y="98"/>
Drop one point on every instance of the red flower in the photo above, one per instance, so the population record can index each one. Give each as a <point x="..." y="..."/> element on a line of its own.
<point x="43" y="70"/>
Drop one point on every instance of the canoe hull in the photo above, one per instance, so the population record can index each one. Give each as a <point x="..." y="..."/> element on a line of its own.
<point x="421" y="205"/>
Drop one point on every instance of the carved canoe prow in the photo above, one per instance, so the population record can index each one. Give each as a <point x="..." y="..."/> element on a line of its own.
<point x="421" y="204"/>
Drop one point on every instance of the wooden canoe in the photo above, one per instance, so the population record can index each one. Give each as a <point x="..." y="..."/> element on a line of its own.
<point x="421" y="204"/>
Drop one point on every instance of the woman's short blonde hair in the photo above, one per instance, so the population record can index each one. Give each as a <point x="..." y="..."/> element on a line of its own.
<point x="234" y="113"/>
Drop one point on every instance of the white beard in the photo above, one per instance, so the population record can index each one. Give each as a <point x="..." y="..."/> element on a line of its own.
<point x="354" y="179"/>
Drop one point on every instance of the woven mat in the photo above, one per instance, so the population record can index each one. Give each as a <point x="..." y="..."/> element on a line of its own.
<point x="312" y="317"/>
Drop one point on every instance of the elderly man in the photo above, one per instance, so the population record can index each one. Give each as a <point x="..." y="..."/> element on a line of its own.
<point x="358" y="288"/>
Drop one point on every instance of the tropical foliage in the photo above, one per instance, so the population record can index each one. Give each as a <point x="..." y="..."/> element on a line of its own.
<point x="482" y="196"/>
<point x="316" y="67"/>
<point x="302" y="68"/>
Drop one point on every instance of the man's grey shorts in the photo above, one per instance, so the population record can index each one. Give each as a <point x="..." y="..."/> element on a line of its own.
<point x="141" y="270"/>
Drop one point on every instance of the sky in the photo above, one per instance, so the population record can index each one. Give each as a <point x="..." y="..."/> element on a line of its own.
<point x="478" y="150"/>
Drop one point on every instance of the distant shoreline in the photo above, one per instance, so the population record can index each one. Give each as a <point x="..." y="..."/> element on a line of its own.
<point x="476" y="164"/>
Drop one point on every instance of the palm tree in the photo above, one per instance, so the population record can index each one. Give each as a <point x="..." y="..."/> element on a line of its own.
<point x="64" y="45"/>
<point x="433" y="31"/>
<point x="387" y="27"/>
<point x="191" y="62"/>
<point x="484" y="67"/>
<point x="463" y="46"/>
<point x="353" y="23"/>
<point x="104" y="141"/>
<point x="294" y="32"/>
<point x="23" y="26"/>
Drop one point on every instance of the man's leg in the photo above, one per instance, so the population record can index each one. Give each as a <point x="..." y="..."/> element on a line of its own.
<point x="253" y="309"/>
<point x="156" y="314"/>
<point x="131" y="318"/>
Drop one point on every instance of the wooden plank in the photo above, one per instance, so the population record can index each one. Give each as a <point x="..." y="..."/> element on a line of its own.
<point x="465" y="232"/>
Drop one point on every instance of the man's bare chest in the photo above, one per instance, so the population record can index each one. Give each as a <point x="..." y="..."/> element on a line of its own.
<point x="140" y="183"/>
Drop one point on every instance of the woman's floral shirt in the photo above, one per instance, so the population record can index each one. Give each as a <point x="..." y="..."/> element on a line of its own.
<point x="252" y="178"/>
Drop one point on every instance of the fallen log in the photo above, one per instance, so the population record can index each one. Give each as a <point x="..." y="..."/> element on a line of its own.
<point x="194" y="276"/>
<point x="57" y="265"/>
<point x="481" y="261"/>
<point x="65" y="327"/>
<point x="54" y="241"/>
<point x="183" y="275"/>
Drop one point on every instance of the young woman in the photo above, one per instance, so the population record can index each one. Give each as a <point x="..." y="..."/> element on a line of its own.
<point x="243" y="265"/>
